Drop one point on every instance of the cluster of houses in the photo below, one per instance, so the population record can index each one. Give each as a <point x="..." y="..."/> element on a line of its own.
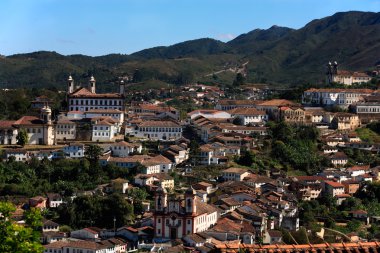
<point x="239" y="206"/>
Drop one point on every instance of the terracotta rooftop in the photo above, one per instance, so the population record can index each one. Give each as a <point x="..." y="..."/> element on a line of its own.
<point x="152" y="123"/>
<point x="28" y="120"/>
<point x="239" y="102"/>
<point x="278" y="102"/>
<point x="6" y="124"/>
<point x="361" y="247"/>
<point x="246" y="111"/>
<point x="334" y="184"/>
<point x="85" y="93"/>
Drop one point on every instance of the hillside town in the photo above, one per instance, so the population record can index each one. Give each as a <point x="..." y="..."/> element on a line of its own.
<point x="152" y="175"/>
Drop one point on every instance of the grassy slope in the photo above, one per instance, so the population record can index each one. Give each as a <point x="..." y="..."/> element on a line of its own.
<point x="368" y="135"/>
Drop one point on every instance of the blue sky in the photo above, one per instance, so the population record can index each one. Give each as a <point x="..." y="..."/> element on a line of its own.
<point x="99" y="27"/>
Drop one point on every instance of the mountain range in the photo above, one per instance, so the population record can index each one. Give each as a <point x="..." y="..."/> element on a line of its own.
<point x="278" y="55"/>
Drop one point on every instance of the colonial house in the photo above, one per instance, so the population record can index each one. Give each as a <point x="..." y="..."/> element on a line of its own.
<point x="40" y="130"/>
<point x="74" y="150"/>
<point x="159" y="130"/>
<point x="235" y="174"/>
<point x="119" y="185"/>
<point x="175" y="217"/>
<point x="104" y="129"/>
<point x="273" y="107"/>
<point x="339" y="159"/>
<point x="368" y="109"/>
<point x="209" y="113"/>
<point x="159" y="179"/>
<point x="54" y="200"/>
<point x="20" y="155"/>
<point x="177" y="153"/>
<point x="159" y="111"/>
<point x="90" y="233"/>
<point x="115" y="114"/>
<point x="272" y="237"/>
<point x="112" y="245"/>
<point x="152" y="164"/>
<point x="247" y="130"/>
<point x="8" y="132"/>
<point x="331" y="97"/>
<point x="345" y="121"/>
<point x="250" y="116"/>
<point x="65" y="129"/>
<point x="124" y="149"/>
<point x="349" y="78"/>
<point x="85" y="99"/>
<point x="216" y="153"/>
<point x="292" y="115"/>
<point x="333" y="188"/>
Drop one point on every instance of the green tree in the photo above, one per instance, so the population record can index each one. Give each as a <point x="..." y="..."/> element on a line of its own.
<point x="22" y="137"/>
<point x="195" y="152"/>
<point x="138" y="194"/>
<point x="16" y="238"/>
<point x="93" y="152"/>
<point x="246" y="159"/>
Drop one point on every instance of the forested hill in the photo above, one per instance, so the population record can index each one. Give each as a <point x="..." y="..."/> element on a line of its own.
<point x="277" y="55"/>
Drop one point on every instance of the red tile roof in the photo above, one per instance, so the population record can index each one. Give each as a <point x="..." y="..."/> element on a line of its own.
<point x="152" y="123"/>
<point x="28" y="120"/>
<point x="323" y="247"/>
<point x="246" y="111"/>
<point x="85" y="93"/>
<point x="334" y="184"/>
<point x="6" y="124"/>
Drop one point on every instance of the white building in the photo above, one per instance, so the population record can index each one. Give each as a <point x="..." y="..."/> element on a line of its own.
<point x="106" y="246"/>
<point x="249" y="116"/>
<point x="91" y="233"/>
<point x="331" y="97"/>
<point x="54" y="200"/>
<point x="116" y="114"/>
<point x="20" y="155"/>
<point x="85" y="99"/>
<point x="104" y="129"/>
<point x="8" y="132"/>
<point x="124" y="149"/>
<point x="176" y="217"/>
<point x="40" y="130"/>
<point x="333" y="188"/>
<point x="209" y="114"/>
<point x="74" y="150"/>
<point x="235" y="174"/>
<point x="159" y="111"/>
<point x="159" y="130"/>
<point x="65" y="129"/>
<point x="350" y="78"/>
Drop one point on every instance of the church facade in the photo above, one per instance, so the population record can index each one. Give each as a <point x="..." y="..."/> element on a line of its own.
<point x="85" y="98"/>
<point x="176" y="216"/>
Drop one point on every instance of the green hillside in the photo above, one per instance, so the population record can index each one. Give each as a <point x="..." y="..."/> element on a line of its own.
<point x="278" y="55"/>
